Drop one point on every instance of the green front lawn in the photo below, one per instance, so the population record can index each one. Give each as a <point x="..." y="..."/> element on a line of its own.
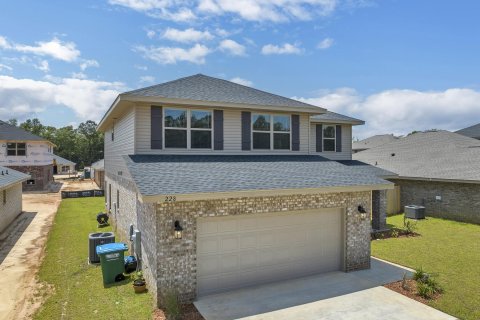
<point x="450" y="249"/>
<point x="78" y="291"/>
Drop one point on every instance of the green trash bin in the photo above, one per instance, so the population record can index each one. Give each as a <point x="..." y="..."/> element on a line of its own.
<point x="112" y="261"/>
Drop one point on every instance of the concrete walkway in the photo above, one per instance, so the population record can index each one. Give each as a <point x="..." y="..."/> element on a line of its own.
<point x="335" y="295"/>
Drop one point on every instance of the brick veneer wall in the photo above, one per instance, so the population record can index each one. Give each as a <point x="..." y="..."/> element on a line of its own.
<point x="41" y="174"/>
<point x="176" y="259"/>
<point x="379" y="209"/>
<point x="460" y="201"/>
<point x="142" y="216"/>
<point x="13" y="207"/>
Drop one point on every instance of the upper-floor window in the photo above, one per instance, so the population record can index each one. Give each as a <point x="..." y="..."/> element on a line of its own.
<point x="16" y="149"/>
<point x="270" y="132"/>
<point x="187" y="129"/>
<point x="329" y="138"/>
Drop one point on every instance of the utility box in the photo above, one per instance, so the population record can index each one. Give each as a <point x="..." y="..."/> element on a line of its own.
<point x="414" y="212"/>
<point x="112" y="261"/>
<point x="97" y="239"/>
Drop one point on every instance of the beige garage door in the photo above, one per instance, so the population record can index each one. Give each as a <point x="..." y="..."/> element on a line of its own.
<point x="246" y="250"/>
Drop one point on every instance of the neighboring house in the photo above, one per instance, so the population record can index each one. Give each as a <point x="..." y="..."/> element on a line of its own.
<point x="27" y="153"/>
<point x="98" y="169"/>
<point x="437" y="169"/>
<point x="62" y="165"/>
<point x="10" y="195"/>
<point x="372" y="142"/>
<point x="233" y="186"/>
<point x="472" y="131"/>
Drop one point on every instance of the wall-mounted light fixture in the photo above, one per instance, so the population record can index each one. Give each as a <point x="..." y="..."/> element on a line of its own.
<point x="178" y="230"/>
<point x="363" y="212"/>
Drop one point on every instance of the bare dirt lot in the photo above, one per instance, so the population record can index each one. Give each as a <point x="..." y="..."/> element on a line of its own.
<point x="21" y="251"/>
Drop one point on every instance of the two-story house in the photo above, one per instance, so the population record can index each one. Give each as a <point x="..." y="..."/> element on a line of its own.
<point x="231" y="186"/>
<point x="27" y="153"/>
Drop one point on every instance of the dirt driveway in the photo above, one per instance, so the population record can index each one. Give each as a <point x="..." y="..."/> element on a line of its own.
<point x="21" y="252"/>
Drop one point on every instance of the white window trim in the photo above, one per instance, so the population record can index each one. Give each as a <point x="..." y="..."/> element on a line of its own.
<point x="271" y="131"/>
<point x="334" y="138"/>
<point x="16" y="149"/>
<point x="188" y="128"/>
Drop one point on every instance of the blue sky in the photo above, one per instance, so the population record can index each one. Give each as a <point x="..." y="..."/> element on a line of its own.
<point x="399" y="65"/>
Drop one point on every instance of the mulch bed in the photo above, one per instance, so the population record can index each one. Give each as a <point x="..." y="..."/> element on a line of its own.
<point x="411" y="292"/>
<point x="390" y="234"/>
<point x="189" y="313"/>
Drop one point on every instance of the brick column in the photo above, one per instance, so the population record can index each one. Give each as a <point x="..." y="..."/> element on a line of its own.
<point x="379" y="209"/>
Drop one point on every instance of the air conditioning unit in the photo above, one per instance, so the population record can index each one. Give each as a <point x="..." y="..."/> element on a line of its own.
<point x="96" y="239"/>
<point x="415" y="212"/>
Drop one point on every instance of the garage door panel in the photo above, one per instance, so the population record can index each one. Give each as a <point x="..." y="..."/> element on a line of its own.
<point x="207" y="245"/>
<point x="254" y="249"/>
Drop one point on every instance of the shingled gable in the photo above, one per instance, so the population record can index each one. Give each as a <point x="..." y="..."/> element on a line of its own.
<point x="202" y="90"/>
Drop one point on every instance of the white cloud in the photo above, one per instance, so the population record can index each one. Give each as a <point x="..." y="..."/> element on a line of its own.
<point x="79" y="75"/>
<point x="88" y="64"/>
<point x="5" y="67"/>
<point x="251" y="10"/>
<point x="286" y="48"/>
<point x="269" y="10"/>
<point x="242" y="81"/>
<point x="55" y="48"/>
<point x="151" y="34"/>
<point x="187" y="35"/>
<point x="162" y="9"/>
<point x="171" y="55"/>
<point x="232" y="47"/>
<point x="402" y="111"/>
<point x="325" y="43"/>
<point x="139" y="67"/>
<point x="43" y="66"/>
<point x="147" y="79"/>
<point x="87" y="98"/>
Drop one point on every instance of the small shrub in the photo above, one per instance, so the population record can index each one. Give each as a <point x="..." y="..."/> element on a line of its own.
<point x="173" y="308"/>
<point x="394" y="233"/>
<point x="419" y="275"/>
<point x="424" y="290"/>
<point x="433" y="283"/>
<point x="410" y="227"/>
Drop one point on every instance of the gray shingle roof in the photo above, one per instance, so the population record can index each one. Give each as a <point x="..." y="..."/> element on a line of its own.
<point x="9" y="132"/>
<point x="440" y="155"/>
<point x="99" y="165"/>
<point x="472" y="131"/>
<point x="204" y="88"/>
<point x="373" y="141"/>
<point x="61" y="160"/>
<point x="13" y="176"/>
<point x="367" y="168"/>
<point x="336" y="117"/>
<point x="189" y="174"/>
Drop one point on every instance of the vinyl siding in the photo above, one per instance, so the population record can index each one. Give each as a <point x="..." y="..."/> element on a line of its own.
<point x="123" y="144"/>
<point x="346" y="153"/>
<point x="232" y="135"/>
<point x="13" y="207"/>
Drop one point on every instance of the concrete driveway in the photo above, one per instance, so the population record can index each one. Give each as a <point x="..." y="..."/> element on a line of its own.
<point x="334" y="295"/>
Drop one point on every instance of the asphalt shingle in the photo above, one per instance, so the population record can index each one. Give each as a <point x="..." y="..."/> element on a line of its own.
<point x="204" y="88"/>
<point x="428" y="155"/>
<point x="472" y="131"/>
<point x="12" y="133"/>
<point x="188" y="174"/>
<point x="336" y="117"/>
<point x="373" y="142"/>
<point x="9" y="176"/>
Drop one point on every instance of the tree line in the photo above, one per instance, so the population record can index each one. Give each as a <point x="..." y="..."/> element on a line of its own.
<point x="83" y="145"/>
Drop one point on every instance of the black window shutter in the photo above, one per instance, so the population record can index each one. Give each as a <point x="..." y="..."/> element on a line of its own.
<point x="338" y="137"/>
<point x="318" y="139"/>
<point x="156" y="125"/>
<point x="295" y="132"/>
<point x="246" y="130"/>
<point x="218" y="129"/>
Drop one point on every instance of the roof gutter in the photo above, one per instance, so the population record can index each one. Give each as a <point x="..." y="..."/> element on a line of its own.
<point x="260" y="193"/>
<point x="435" y="179"/>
